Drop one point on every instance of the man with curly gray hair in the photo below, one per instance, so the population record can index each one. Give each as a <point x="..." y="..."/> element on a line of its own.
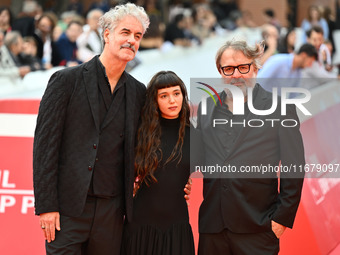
<point x="83" y="156"/>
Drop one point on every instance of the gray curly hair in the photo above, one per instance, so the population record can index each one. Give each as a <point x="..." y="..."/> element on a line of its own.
<point x="254" y="53"/>
<point x="111" y="18"/>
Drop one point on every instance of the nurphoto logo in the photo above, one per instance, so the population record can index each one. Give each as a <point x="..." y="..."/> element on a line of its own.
<point x="238" y="100"/>
<point x="302" y="96"/>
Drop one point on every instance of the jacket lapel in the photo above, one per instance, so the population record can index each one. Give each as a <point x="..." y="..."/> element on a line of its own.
<point x="130" y="95"/>
<point x="207" y="120"/>
<point x="91" y="86"/>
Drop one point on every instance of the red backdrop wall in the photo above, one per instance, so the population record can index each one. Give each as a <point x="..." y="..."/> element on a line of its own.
<point x="317" y="225"/>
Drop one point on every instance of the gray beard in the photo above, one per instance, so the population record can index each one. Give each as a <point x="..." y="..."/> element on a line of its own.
<point x="230" y="95"/>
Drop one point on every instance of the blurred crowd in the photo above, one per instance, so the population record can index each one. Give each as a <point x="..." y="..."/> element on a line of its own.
<point x="40" y="38"/>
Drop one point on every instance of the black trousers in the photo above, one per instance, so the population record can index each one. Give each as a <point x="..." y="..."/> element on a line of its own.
<point x="229" y="243"/>
<point x="98" y="231"/>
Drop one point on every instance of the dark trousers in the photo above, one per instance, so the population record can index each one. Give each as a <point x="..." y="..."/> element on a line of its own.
<point x="229" y="243"/>
<point x="98" y="231"/>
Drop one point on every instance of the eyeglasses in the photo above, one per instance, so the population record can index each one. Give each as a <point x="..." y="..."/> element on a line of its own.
<point x="229" y="70"/>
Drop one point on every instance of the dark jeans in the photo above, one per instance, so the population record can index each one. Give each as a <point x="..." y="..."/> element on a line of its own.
<point x="98" y="231"/>
<point x="229" y="243"/>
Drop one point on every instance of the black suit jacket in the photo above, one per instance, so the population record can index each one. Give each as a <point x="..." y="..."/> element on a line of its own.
<point x="247" y="205"/>
<point x="67" y="129"/>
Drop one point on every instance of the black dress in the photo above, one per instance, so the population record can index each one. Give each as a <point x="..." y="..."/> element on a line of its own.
<point x="160" y="224"/>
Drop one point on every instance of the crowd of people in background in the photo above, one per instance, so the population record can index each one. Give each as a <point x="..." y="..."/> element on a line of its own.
<point x="40" y="38"/>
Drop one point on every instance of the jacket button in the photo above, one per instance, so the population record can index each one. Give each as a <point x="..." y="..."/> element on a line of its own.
<point x="121" y="135"/>
<point x="90" y="168"/>
<point x="95" y="146"/>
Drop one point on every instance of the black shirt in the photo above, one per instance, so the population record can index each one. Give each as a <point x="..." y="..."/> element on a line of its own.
<point x="229" y="132"/>
<point x="108" y="173"/>
<point x="105" y="96"/>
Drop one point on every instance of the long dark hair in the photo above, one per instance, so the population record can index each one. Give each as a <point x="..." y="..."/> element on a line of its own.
<point x="148" y="151"/>
<point x="5" y="8"/>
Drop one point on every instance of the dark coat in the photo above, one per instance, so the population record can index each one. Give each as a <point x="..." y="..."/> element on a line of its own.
<point x="247" y="205"/>
<point x="67" y="129"/>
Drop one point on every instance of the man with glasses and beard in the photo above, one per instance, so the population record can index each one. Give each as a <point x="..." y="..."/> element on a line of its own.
<point x="244" y="212"/>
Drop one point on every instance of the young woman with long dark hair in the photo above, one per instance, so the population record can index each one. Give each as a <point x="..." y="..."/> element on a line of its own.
<point x="160" y="223"/>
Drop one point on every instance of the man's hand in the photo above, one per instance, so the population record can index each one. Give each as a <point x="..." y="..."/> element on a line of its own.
<point x="49" y="222"/>
<point x="187" y="189"/>
<point x="278" y="229"/>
